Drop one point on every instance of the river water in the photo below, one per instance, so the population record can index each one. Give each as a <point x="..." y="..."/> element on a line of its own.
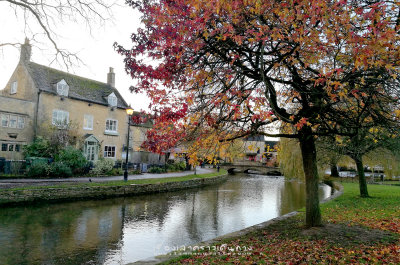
<point x="123" y="230"/>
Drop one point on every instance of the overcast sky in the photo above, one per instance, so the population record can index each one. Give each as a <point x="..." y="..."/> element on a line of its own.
<point x="95" y="48"/>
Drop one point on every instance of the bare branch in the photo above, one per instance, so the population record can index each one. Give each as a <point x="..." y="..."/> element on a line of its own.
<point x="48" y="14"/>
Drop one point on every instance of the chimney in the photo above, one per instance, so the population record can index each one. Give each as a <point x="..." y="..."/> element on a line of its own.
<point x="26" y="50"/>
<point x="111" y="77"/>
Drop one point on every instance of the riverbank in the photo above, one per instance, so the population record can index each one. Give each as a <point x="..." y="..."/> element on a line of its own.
<point x="107" y="189"/>
<point x="357" y="230"/>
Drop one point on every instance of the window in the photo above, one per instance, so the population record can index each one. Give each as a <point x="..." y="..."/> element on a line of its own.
<point x="13" y="121"/>
<point x="62" y="88"/>
<point x="60" y="117"/>
<point x="109" y="151"/>
<point x="112" y="100"/>
<point x="111" y="125"/>
<point x="87" y="122"/>
<point x="21" y="122"/>
<point x="5" y="120"/>
<point x="10" y="147"/>
<point x="14" y="86"/>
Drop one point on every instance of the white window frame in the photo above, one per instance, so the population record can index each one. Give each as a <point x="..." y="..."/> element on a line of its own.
<point x="5" y="120"/>
<point x="10" y="147"/>
<point x="57" y="121"/>
<point x="20" y="122"/>
<point x="62" y="88"/>
<point x="106" y="152"/>
<point x="108" y="129"/>
<point x="14" y="87"/>
<point x="12" y="122"/>
<point x="88" y="122"/>
<point x="112" y="100"/>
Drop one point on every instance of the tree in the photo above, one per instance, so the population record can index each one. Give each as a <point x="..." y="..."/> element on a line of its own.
<point x="370" y="121"/>
<point x="328" y="156"/>
<point x="40" y="17"/>
<point x="388" y="159"/>
<point x="238" y="66"/>
<point x="290" y="160"/>
<point x="61" y="135"/>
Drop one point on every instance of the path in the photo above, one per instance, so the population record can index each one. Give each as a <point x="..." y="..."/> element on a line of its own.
<point x="12" y="183"/>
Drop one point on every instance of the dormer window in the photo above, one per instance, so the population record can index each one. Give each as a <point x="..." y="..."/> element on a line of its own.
<point x="112" y="100"/>
<point x="62" y="88"/>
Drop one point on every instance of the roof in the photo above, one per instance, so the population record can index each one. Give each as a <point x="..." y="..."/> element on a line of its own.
<point x="80" y="88"/>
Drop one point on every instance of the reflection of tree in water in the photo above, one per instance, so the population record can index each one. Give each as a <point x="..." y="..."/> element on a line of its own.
<point x="149" y="208"/>
<point x="69" y="233"/>
<point x="202" y="213"/>
<point x="292" y="197"/>
<point x="91" y="231"/>
<point x="206" y="204"/>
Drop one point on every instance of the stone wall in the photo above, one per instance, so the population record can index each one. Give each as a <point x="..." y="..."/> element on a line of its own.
<point x="11" y="197"/>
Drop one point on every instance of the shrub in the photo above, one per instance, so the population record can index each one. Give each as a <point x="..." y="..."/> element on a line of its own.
<point x="135" y="172"/>
<point x="102" y="166"/>
<point x="116" y="172"/>
<point x="59" y="170"/>
<point x="38" y="148"/>
<point x="177" y="166"/>
<point x="180" y="166"/>
<point x="156" y="170"/>
<point x="73" y="158"/>
<point x="171" y="167"/>
<point x="38" y="170"/>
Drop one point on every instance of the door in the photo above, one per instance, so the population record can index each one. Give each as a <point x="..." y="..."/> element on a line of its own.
<point x="91" y="151"/>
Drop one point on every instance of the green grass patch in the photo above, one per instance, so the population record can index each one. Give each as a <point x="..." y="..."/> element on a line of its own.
<point x="129" y="182"/>
<point x="391" y="182"/>
<point x="384" y="202"/>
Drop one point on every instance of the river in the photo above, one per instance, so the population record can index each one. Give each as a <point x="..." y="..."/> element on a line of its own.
<point x="124" y="230"/>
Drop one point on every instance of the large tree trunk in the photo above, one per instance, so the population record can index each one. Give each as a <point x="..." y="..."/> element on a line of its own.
<point x="361" y="176"/>
<point x="309" y="153"/>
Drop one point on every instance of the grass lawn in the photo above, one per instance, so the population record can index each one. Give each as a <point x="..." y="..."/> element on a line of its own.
<point x="357" y="231"/>
<point x="129" y="182"/>
<point x="392" y="182"/>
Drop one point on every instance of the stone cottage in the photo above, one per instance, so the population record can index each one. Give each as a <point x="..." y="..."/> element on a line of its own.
<point x="38" y="96"/>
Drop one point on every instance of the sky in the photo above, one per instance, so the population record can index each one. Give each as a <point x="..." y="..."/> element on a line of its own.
<point x="94" y="46"/>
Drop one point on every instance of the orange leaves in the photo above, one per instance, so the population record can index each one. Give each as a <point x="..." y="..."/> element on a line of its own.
<point x="397" y="113"/>
<point x="302" y="122"/>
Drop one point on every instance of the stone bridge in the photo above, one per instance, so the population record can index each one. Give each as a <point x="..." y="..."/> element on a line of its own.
<point x="250" y="167"/>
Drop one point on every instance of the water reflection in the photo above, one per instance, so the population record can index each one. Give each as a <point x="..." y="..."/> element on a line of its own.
<point x="119" y="231"/>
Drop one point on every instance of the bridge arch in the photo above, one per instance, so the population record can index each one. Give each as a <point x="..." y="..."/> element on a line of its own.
<point x="252" y="166"/>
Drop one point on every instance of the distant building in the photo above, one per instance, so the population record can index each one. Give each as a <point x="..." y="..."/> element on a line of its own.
<point x="256" y="148"/>
<point x="270" y="152"/>
<point x="137" y="137"/>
